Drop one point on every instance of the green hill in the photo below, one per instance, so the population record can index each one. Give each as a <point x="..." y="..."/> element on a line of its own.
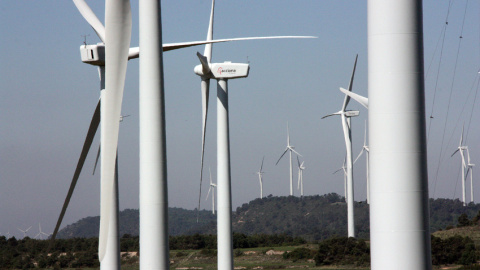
<point x="310" y="217"/>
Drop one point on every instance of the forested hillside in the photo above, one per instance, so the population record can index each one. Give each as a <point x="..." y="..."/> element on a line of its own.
<point x="310" y="217"/>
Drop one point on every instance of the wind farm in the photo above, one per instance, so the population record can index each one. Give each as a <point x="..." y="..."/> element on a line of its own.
<point x="49" y="109"/>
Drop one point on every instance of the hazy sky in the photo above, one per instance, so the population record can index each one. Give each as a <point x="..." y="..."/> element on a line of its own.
<point x="48" y="97"/>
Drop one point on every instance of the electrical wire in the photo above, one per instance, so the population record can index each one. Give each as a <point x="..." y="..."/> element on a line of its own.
<point x="442" y="152"/>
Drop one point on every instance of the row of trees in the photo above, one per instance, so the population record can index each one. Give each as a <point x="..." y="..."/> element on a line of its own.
<point x="82" y="252"/>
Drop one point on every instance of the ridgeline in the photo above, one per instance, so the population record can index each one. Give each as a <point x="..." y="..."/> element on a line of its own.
<point x="311" y="217"/>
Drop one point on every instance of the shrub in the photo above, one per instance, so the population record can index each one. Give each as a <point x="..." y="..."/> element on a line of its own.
<point x="299" y="254"/>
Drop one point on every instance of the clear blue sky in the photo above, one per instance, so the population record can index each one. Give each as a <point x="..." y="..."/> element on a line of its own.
<point x="48" y="96"/>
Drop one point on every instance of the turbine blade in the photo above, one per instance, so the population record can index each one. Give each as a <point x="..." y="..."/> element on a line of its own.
<point x="359" y="155"/>
<point x="360" y="99"/>
<point x="288" y="136"/>
<point x="175" y="46"/>
<point x="461" y="137"/>
<point x="205" y="88"/>
<point x="211" y="182"/>
<point x="350" y="84"/>
<point x="91" y="18"/>
<point x="208" y="47"/>
<point x="335" y="113"/>
<point x="83" y="155"/>
<point x="454" y="152"/>
<point x="282" y="155"/>
<point x="208" y="193"/>
<point x="353" y="74"/>
<point x="118" y="28"/>
<point x="261" y="167"/>
<point x="337" y="170"/>
<point x="298" y="161"/>
<point x="293" y="150"/>
<point x="96" y="160"/>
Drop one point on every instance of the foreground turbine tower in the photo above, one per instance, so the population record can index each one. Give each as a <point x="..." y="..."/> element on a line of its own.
<point x="399" y="225"/>
<point x="153" y="159"/>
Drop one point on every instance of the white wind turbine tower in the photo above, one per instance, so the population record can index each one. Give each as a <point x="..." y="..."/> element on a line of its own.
<point x="399" y="225"/>
<point x="460" y="149"/>
<point x="345" y="118"/>
<point x="222" y="72"/>
<point x="301" y="167"/>
<point x="211" y="188"/>
<point x="260" y="178"/>
<point x="470" y="166"/>
<point x="290" y="148"/>
<point x="25" y="231"/>
<point x="366" y="150"/>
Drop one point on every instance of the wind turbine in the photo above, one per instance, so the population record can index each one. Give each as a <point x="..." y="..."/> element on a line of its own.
<point x="470" y="166"/>
<point x="212" y="188"/>
<point x="301" y="167"/>
<point x="460" y="149"/>
<point x="24" y="231"/>
<point x="208" y="71"/>
<point x="222" y="72"/>
<point x="290" y="148"/>
<point x="365" y="149"/>
<point x="111" y="57"/>
<point x="260" y="174"/>
<point x="41" y="234"/>
<point x="345" y="118"/>
<point x="344" y="169"/>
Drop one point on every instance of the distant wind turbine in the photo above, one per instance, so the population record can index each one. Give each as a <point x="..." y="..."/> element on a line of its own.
<point x="366" y="150"/>
<point x="301" y="167"/>
<point x="40" y="233"/>
<point x="212" y="188"/>
<point x="24" y="231"/>
<point x="345" y="118"/>
<point x="460" y="149"/>
<point x="290" y="148"/>
<point x="344" y="169"/>
<point x="260" y="179"/>
<point x="470" y="166"/>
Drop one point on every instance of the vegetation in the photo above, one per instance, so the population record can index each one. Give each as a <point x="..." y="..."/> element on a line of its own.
<point x="302" y="231"/>
<point x="194" y="250"/>
<point x="343" y="251"/>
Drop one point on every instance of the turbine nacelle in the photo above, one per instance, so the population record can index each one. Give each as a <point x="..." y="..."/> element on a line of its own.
<point x="226" y="70"/>
<point x="351" y="113"/>
<point x="93" y="54"/>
